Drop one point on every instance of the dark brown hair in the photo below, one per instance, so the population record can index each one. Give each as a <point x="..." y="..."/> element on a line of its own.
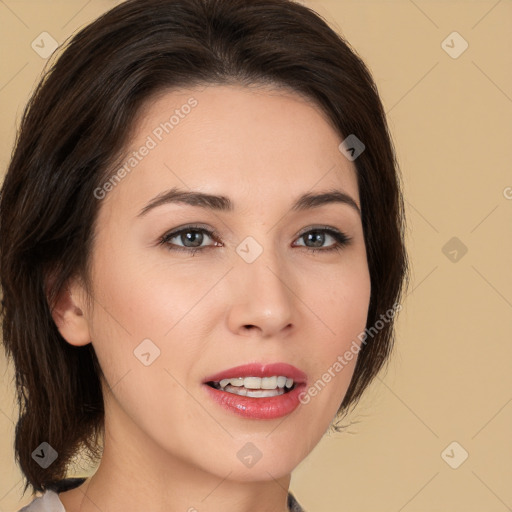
<point x="75" y="126"/>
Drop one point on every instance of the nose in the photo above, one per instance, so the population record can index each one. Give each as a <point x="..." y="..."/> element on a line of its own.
<point x="263" y="300"/>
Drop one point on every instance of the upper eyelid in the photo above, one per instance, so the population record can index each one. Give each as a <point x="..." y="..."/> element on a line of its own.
<point x="215" y="232"/>
<point x="209" y="231"/>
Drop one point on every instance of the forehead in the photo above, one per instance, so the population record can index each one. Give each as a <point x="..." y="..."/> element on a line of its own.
<point x="250" y="143"/>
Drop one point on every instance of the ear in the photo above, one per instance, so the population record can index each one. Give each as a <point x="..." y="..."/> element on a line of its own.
<point x="68" y="314"/>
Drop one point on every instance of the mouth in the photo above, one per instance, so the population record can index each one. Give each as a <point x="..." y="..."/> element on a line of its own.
<point x="257" y="391"/>
<point x="255" y="387"/>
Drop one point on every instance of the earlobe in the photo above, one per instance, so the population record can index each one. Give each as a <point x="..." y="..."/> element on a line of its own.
<point x="68" y="315"/>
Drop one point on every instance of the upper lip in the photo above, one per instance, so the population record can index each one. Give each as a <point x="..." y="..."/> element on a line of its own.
<point x="260" y="370"/>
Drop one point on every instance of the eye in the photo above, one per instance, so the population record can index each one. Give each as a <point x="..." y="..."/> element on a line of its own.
<point x="317" y="237"/>
<point x="193" y="237"/>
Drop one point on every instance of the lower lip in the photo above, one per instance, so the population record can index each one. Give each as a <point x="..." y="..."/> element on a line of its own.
<point x="266" y="408"/>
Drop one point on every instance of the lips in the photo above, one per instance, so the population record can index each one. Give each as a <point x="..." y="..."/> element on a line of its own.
<point x="260" y="370"/>
<point x="257" y="404"/>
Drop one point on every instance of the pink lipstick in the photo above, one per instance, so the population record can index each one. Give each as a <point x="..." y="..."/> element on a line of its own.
<point x="257" y="390"/>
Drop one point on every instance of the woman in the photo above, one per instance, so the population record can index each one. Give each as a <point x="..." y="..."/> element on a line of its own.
<point x="201" y="255"/>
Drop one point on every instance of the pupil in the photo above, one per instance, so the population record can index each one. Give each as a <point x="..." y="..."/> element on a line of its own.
<point x="190" y="237"/>
<point x="319" y="236"/>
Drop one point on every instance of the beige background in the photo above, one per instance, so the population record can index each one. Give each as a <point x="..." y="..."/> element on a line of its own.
<point x="450" y="377"/>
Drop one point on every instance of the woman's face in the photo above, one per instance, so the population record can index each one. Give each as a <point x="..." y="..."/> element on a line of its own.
<point x="165" y="319"/>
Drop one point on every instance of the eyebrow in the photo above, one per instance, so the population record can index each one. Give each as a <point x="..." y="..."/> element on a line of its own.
<point x="224" y="204"/>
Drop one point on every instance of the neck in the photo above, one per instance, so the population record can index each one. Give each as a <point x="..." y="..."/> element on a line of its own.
<point x="136" y="473"/>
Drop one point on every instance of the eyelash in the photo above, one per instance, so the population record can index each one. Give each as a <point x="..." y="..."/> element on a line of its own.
<point x="342" y="240"/>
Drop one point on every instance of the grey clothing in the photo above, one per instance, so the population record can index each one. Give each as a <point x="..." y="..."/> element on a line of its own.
<point x="50" y="502"/>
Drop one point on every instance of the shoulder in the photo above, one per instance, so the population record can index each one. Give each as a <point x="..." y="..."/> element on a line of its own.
<point x="49" y="501"/>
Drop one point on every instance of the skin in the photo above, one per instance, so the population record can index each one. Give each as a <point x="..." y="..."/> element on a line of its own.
<point x="168" y="446"/>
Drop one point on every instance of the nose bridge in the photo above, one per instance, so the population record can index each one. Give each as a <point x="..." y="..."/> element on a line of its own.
<point x="263" y="295"/>
<point x="261" y="262"/>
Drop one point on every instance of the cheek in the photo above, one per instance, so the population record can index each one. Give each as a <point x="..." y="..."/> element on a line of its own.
<point x="124" y="309"/>
<point x="142" y="306"/>
<point x="341" y="307"/>
<point x="132" y="327"/>
<point x="140" y="300"/>
<point x="340" y="298"/>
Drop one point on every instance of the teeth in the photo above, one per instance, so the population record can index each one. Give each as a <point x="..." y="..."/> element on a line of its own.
<point x="254" y="393"/>
<point x="269" y="383"/>
<point x="256" y="383"/>
<point x="261" y="393"/>
<point x="252" y="382"/>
